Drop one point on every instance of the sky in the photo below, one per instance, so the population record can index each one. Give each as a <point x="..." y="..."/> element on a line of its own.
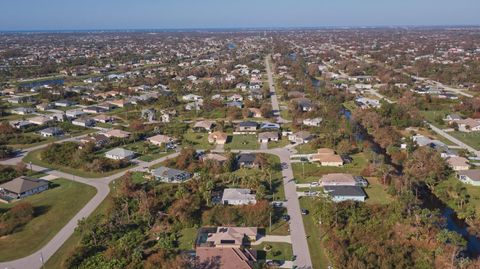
<point x="18" y="15"/>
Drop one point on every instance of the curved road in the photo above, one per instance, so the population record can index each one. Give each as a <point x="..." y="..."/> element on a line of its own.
<point x="34" y="261"/>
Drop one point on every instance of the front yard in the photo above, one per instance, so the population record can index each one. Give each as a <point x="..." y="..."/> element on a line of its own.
<point x="53" y="209"/>
<point x="243" y="142"/>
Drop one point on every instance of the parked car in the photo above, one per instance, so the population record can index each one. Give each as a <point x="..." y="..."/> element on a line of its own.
<point x="311" y="193"/>
<point x="304" y="211"/>
<point x="286" y="217"/>
<point x="314" y="184"/>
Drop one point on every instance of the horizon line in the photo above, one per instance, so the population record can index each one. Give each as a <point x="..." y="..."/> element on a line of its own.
<point x="258" y="28"/>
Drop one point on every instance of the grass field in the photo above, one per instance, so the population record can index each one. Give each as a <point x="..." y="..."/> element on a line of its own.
<point x="376" y="192"/>
<point x="280" y="144"/>
<point x="432" y="115"/>
<point x="278" y="251"/>
<point x="305" y="149"/>
<point x="196" y="140"/>
<point x="55" y="207"/>
<point x="472" y="139"/>
<point x="314" y="240"/>
<point x="308" y="172"/>
<point x="148" y="152"/>
<point x="187" y="238"/>
<point x="35" y="158"/>
<point x="57" y="261"/>
<point x="243" y="142"/>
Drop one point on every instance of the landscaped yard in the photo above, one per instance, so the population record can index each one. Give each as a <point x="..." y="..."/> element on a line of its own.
<point x="196" y="140"/>
<point x="148" y="151"/>
<point x="247" y="142"/>
<point x="53" y="209"/>
<point x="314" y="236"/>
<point x="309" y="172"/>
<point x="376" y="192"/>
<point x="280" y="144"/>
<point x="187" y="238"/>
<point x="472" y="139"/>
<point x="305" y="148"/>
<point x="278" y="251"/>
<point x="35" y="158"/>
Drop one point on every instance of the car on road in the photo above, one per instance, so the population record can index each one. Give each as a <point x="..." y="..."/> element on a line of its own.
<point x="304" y="211"/>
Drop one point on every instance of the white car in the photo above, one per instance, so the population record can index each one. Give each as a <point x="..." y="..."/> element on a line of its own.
<point x="314" y="184"/>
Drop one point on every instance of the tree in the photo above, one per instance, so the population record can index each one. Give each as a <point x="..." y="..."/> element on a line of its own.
<point x="426" y="166"/>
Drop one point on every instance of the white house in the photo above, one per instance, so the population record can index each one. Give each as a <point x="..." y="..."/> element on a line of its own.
<point x="469" y="176"/>
<point x="238" y="197"/>
<point x="120" y="154"/>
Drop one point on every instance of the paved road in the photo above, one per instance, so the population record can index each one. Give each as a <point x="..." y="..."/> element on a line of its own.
<point x="297" y="230"/>
<point x="445" y="87"/>
<point x="273" y="93"/>
<point x="454" y="140"/>
<point x="33" y="261"/>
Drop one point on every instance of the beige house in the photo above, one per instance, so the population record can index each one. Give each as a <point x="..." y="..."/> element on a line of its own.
<point x="232" y="236"/>
<point x="219" y="138"/>
<point x="458" y="163"/>
<point x="327" y="157"/>
<point x="337" y="179"/>
<point x="117" y="133"/>
<point x="159" y="140"/>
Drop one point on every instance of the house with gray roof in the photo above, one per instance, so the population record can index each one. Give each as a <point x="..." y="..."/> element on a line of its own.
<point x="51" y="131"/>
<point x="120" y="154"/>
<point x="235" y="196"/>
<point x="471" y="177"/>
<point x="345" y="193"/>
<point x="21" y="187"/>
<point x="170" y="175"/>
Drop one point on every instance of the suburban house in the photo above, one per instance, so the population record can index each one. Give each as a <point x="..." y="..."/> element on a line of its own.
<point x="160" y="140"/>
<point x="266" y="137"/>
<point x="304" y="104"/>
<point x="301" y="137"/>
<point x="22" y="110"/>
<point x="315" y="122"/>
<point x="269" y="126"/>
<point x="103" y="118"/>
<point x="246" y="160"/>
<point x="170" y="175"/>
<point x="247" y="126"/>
<point x="120" y="154"/>
<point x="470" y="176"/>
<point x="468" y="125"/>
<point x="117" y="133"/>
<point x="342" y="179"/>
<point x="98" y="140"/>
<point x="235" y="196"/>
<point x="74" y="113"/>
<point x="64" y="103"/>
<point x="83" y="122"/>
<point x="327" y="157"/>
<point x="345" y="193"/>
<point x="21" y="187"/>
<point x="51" y="131"/>
<point x="219" y="138"/>
<point x="255" y="112"/>
<point x="39" y="120"/>
<point x="213" y="157"/>
<point x="458" y="163"/>
<point x="226" y="258"/>
<point x="452" y="117"/>
<point x="204" y="126"/>
<point x="231" y="237"/>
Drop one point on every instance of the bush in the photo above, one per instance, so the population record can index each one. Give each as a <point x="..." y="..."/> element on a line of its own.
<point x="16" y="217"/>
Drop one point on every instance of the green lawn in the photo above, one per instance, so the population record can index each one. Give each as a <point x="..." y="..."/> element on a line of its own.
<point x="432" y="115"/>
<point x="350" y="105"/>
<point x="278" y="251"/>
<point x="305" y="149"/>
<point x="187" y="238"/>
<point x="58" y="259"/>
<point x="285" y="114"/>
<point x="472" y="139"/>
<point x="55" y="207"/>
<point x="243" y="142"/>
<point x="196" y="140"/>
<point x="148" y="151"/>
<point x="314" y="240"/>
<point x="308" y="172"/>
<point x="280" y="144"/>
<point x="35" y="158"/>
<point x="279" y="226"/>
<point x="377" y="193"/>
